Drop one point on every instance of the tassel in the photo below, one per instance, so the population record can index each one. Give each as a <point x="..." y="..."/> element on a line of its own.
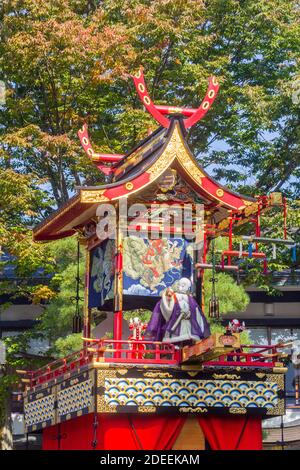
<point x="213" y="309"/>
<point x="77" y="324"/>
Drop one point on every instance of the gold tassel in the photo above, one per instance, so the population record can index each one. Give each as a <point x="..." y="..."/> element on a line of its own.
<point x="213" y="309"/>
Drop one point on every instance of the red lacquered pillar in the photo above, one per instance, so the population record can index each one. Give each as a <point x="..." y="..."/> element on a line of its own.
<point x="118" y="313"/>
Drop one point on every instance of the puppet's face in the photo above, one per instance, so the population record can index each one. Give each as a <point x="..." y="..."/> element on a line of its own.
<point x="184" y="285"/>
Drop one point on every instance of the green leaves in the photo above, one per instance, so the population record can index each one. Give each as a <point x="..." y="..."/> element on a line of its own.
<point x="65" y="62"/>
<point x="232" y="297"/>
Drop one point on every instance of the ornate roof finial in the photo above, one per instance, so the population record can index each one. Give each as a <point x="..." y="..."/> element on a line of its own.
<point x="159" y="112"/>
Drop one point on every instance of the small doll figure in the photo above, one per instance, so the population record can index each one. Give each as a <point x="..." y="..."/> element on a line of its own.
<point x="137" y="327"/>
<point x="235" y="326"/>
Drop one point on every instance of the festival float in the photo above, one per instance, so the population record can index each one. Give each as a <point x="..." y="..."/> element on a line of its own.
<point x="173" y="384"/>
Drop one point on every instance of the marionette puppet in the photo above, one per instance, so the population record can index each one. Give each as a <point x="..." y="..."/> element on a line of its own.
<point x="137" y="328"/>
<point x="177" y="318"/>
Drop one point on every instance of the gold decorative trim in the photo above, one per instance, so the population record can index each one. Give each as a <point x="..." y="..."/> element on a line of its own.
<point x="251" y="209"/>
<point x="189" y="409"/>
<point x="220" y="192"/>
<point x="102" y="365"/>
<point x="105" y="374"/>
<point x="160" y="375"/>
<point x="90" y="196"/>
<point x="186" y="161"/>
<point x="260" y="375"/>
<point x="129" y="186"/>
<point x="247" y="203"/>
<point x="102" y="406"/>
<point x="238" y="411"/>
<point x="278" y="410"/>
<point x="279" y="370"/>
<point x="147" y="409"/>
<point x="277" y="378"/>
<point x="173" y="150"/>
<point x="226" y="376"/>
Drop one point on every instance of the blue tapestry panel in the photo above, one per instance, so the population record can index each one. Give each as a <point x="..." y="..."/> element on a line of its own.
<point x="101" y="285"/>
<point x="150" y="266"/>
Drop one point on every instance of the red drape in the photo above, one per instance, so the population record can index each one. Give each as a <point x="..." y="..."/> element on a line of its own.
<point x="134" y="432"/>
<point x="115" y="432"/>
<point x="232" y="433"/>
<point x="76" y="434"/>
<point x="49" y="441"/>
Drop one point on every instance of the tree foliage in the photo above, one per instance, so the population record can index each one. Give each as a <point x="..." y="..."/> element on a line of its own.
<point x="67" y="61"/>
<point x="56" y="320"/>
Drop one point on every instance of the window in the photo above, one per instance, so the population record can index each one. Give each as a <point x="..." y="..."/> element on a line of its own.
<point x="258" y="335"/>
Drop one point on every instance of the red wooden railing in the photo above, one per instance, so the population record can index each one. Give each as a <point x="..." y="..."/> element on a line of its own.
<point x="264" y="356"/>
<point x="145" y="352"/>
<point x="56" y="368"/>
<point x="99" y="350"/>
<point x="138" y="352"/>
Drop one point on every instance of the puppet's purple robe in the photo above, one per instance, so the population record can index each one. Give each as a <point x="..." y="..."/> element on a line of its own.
<point x="158" y="327"/>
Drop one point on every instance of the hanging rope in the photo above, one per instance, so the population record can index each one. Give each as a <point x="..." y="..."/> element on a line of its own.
<point x="95" y="427"/>
<point x="77" y="322"/>
<point x="134" y="432"/>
